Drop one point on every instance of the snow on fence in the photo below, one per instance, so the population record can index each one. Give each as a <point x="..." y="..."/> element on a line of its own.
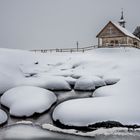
<point x="83" y="49"/>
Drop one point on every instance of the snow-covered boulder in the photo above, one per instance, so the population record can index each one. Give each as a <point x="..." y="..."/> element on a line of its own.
<point x="70" y="80"/>
<point x="47" y="82"/>
<point x="88" y="83"/>
<point x="84" y="83"/>
<point x="23" y="131"/>
<point x="85" y="112"/>
<point x="57" y="83"/>
<point x="27" y="100"/>
<point x="110" y="80"/>
<point x="3" y="117"/>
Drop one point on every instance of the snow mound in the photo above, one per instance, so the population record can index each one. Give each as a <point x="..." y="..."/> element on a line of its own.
<point x="70" y="80"/>
<point x="57" y="83"/>
<point x="23" y="131"/>
<point x="6" y="82"/>
<point x="47" y="82"/>
<point x="27" y="100"/>
<point x="88" y="83"/>
<point x="110" y="80"/>
<point x="3" y="117"/>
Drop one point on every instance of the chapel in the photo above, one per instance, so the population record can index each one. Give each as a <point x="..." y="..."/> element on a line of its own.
<point x="115" y="34"/>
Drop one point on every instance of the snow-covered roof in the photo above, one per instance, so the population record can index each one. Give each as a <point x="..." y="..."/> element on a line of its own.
<point x="125" y="31"/>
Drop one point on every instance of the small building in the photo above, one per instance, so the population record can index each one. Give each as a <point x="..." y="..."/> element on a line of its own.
<point x="115" y="34"/>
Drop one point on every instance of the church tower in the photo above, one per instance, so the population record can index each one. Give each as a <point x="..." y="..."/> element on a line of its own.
<point x="122" y="21"/>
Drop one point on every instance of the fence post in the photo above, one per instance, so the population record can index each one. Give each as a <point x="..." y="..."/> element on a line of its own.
<point x="77" y="44"/>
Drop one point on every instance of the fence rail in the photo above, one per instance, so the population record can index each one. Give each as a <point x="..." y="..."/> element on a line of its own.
<point x="82" y="49"/>
<point x="67" y="49"/>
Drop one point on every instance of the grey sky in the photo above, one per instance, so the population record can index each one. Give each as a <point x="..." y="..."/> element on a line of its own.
<point x="28" y="24"/>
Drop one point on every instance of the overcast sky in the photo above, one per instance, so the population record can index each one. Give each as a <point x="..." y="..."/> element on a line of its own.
<point x="35" y="24"/>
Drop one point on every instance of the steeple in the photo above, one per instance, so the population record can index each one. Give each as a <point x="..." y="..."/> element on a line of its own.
<point x="122" y="21"/>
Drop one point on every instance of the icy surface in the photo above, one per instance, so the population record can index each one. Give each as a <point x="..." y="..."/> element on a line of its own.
<point x="27" y="100"/>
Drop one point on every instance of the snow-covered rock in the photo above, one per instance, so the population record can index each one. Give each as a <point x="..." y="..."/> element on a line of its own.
<point x="88" y="83"/>
<point x="57" y="83"/>
<point x="23" y="131"/>
<point x="47" y="82"/>
<point x="3" y="117"/>
<point x="110" y="80"/>
<point x="84" y="84"/>
<point x="70" y="80"/>
<point x="27" y="100"/>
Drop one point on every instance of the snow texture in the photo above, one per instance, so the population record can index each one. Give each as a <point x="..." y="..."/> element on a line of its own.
<point x="27" y="100"/>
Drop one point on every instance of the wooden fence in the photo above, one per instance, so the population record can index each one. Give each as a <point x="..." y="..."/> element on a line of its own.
<point x="82" y="49"/>
<point x="67" y="49"/>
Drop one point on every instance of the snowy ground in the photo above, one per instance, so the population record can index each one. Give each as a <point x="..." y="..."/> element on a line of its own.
<point x="114" y="74"/>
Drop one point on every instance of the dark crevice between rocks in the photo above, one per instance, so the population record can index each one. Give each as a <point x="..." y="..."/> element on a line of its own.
<point x="93" y="127"/>
<point x="55" y="90"/>
<point x="106" y="124"/>
<point x="79" y="128"/>
<point x="35" y="115"/>
<point x="6" y="111"/>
